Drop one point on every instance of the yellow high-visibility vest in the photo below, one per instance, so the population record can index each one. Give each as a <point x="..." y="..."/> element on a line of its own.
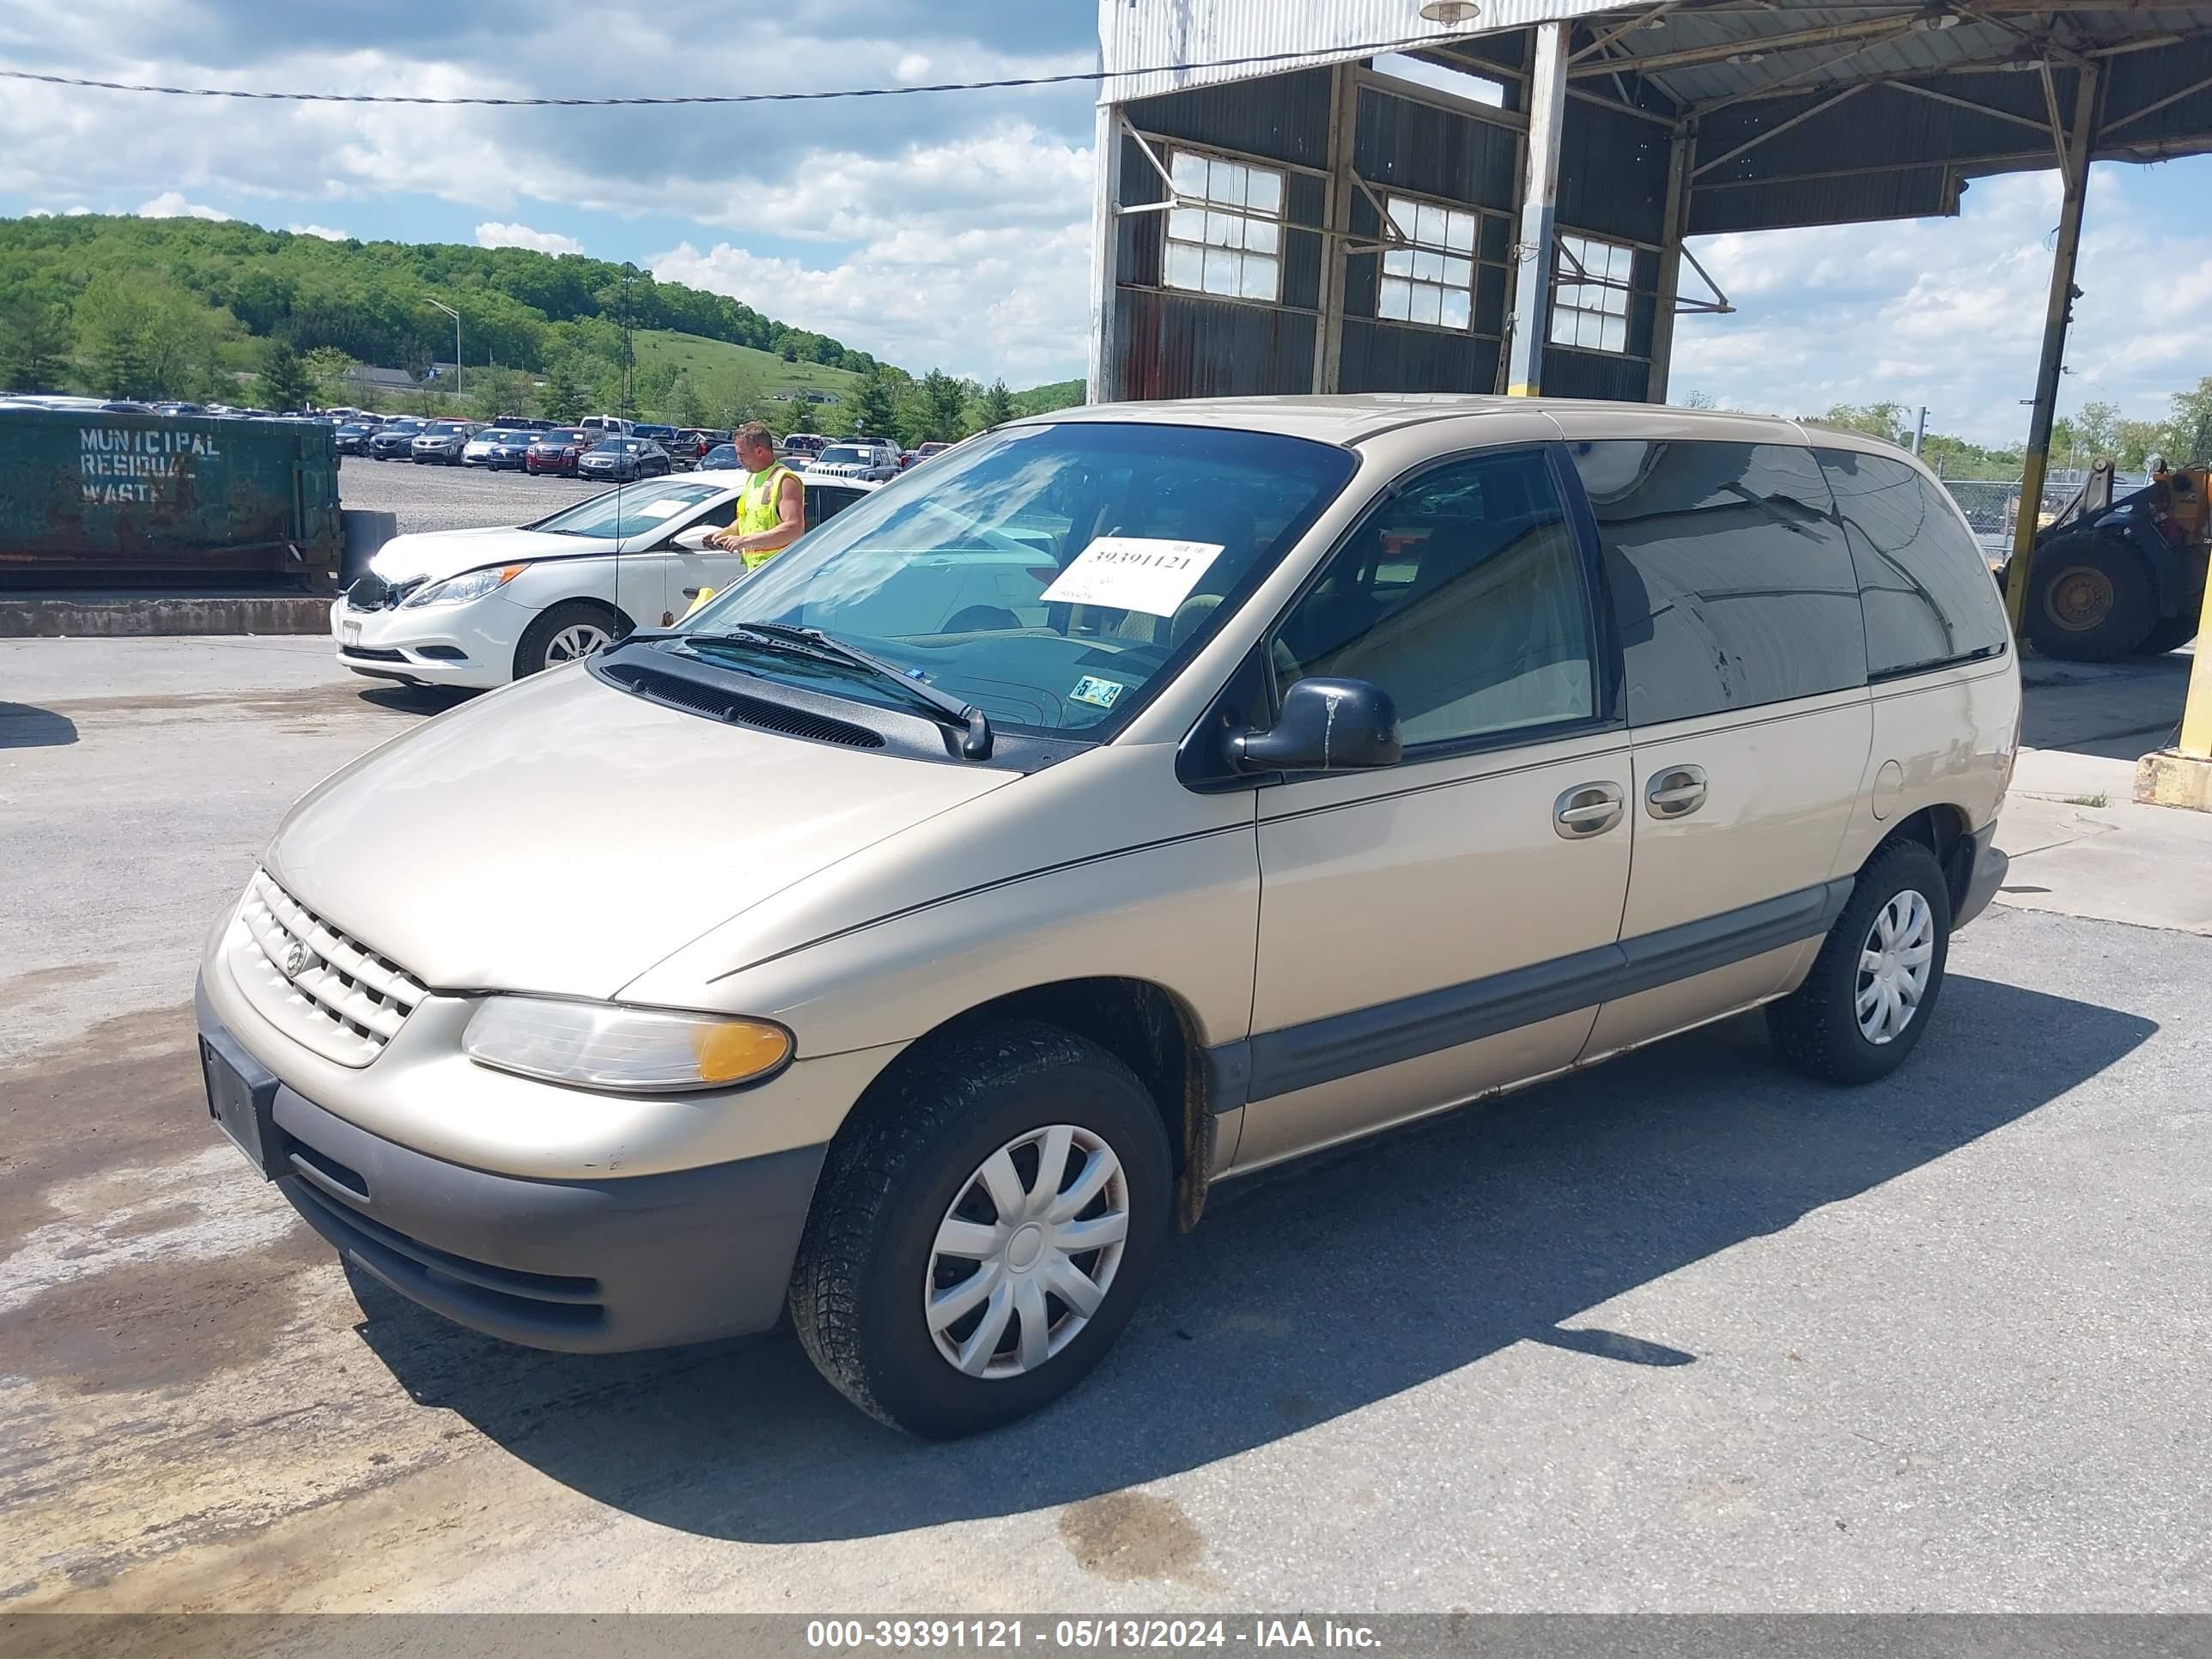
<point x="757" y="509"/>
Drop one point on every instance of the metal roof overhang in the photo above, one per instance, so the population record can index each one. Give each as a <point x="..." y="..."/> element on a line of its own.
<point x="1803" y="114"/>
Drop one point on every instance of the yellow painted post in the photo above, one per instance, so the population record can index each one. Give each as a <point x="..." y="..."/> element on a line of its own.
<point x="2196" y="711"/>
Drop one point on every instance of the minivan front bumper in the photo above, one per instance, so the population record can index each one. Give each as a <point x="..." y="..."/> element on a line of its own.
<point x="586" y="1266"/>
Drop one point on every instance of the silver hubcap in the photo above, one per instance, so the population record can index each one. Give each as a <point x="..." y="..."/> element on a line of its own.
<point x="1894" y="963"/>
<point x="1026" y="1254"/>
<point x="579" y="639"/>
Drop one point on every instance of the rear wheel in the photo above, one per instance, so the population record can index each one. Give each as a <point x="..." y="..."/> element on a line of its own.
<point x="1873" y="988"/>
<point x="2092" y="600"/>
<point x="566" y="632"/>
<point x="980" y="1237"/>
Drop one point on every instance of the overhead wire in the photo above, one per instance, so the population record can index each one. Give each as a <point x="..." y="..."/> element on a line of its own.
<point x="655" y="100"/>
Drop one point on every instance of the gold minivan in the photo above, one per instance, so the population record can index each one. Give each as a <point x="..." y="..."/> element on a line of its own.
<point x="1136" y="797"/>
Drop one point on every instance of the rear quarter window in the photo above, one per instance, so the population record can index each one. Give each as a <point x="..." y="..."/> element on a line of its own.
<point x="1925" y="588"/>
<point x="1732" y="587"/>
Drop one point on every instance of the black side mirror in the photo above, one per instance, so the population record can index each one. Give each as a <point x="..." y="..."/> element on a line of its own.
<point x="1326" y="726"/>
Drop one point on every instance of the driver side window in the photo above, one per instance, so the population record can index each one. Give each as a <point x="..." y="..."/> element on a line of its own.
<point x="1463" y="596"/>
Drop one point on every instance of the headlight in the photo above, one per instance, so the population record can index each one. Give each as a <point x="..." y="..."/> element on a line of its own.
<point x="597" y="1045"/>
<point x="459" y="589"/>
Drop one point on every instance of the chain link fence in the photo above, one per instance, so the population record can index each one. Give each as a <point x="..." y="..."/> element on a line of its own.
<point x="1992" y="504"/>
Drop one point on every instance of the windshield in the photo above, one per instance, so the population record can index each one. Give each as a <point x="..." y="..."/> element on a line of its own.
<point x="973" y="576"/>
<point x="636" y="511"/>
<point x="563" y="435"/>
<point x="845" y="453"/>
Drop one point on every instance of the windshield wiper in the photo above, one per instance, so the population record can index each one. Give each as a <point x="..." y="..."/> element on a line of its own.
<point x="975" y="744"/>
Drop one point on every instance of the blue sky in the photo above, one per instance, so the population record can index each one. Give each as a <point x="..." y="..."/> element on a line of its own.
<point x="952" y="230"/>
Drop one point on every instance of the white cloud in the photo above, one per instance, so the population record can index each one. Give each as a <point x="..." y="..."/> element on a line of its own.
<point x="323" y="231"/>
<point x="970" y="255"/>
<point x="492" y="235"/>
<point x="172" y="204"/>
<point x="912" y="68"/>
<point x="1948" y="312"/>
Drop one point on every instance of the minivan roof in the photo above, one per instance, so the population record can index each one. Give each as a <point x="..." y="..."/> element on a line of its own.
<point x="1351" y="418"/>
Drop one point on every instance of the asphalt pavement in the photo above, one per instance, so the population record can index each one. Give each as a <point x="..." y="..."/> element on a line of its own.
<point x="1683" y="1333"/>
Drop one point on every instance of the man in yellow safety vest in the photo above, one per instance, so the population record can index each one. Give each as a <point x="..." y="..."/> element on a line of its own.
<point x="772" y="506"/>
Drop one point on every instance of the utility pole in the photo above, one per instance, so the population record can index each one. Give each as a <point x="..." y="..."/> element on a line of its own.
<point x="629" y="352"/>
<point x="456" y="316"/>
<point x="1920" y="430"/>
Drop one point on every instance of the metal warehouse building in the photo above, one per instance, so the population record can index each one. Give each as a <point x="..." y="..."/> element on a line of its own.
<point x="1278" y="211"/>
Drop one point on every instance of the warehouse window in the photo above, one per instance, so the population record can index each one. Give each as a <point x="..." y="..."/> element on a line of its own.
<point x="1590" y="295"/>
<point x="1433" y="280"/>
<point x="1232" y="246"/>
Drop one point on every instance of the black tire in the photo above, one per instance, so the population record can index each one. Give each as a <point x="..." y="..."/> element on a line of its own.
<point x="1816" y="1026"/>
<point x="531" y="653"/>
<point x="2091" y="600"/>
<point x="2171" y="633"/>
<point x="857" y="1289"/>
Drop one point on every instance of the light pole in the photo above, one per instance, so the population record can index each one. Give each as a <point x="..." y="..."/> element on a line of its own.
<point x="456" y="316"/>
<point x="1920" y="430"/>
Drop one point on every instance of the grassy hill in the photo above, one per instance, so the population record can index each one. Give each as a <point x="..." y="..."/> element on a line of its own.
<point x="1043" y="399"/>
<point x="726" y="375"/>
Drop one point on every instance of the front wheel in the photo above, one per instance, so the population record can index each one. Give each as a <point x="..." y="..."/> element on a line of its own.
<point x="1873" y="988"/>
<point x="981" y="1237"/>
<point x="567" y="632"/>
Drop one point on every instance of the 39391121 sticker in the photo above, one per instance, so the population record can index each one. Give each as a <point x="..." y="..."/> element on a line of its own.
<point x="1099" y="694"/>
<point x="1133" y="572"/>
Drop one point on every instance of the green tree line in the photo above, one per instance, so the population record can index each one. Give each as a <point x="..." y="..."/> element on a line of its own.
<point x="2095" y="431"/>
<point x="198" y="287"/>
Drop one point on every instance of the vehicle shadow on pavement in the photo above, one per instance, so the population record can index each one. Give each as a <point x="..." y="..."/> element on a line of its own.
<point x="419" y="700"/>
<point x="1305" y="1294"/>
<point x="26" y="726"/>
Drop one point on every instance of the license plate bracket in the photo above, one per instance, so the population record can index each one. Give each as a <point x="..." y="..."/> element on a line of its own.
<point x="242" y="1100"/>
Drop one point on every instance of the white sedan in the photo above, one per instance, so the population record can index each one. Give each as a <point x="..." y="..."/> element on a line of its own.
<point x="478" y="608"/>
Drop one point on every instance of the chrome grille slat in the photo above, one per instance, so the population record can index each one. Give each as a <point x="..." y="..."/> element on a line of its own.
<point x="345" y="1002"/>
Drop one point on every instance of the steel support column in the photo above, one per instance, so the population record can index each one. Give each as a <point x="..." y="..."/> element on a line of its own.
<point x="2075" y="148"/>
<point x="1540" y="197"/>
<point x="1680" y="157"/>
<point x="1103" y="382"/>
<point x="1343" y="121"/>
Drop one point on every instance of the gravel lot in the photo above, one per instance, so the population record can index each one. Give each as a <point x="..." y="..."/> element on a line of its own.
<point x="1683" y="1333"/>
<point x="452" y="497"/>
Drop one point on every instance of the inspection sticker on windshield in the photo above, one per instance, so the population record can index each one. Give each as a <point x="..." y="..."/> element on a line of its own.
<point x="1133" y="572"/>
<point x="1099" y="694"/>
<point x="661" y="510"/>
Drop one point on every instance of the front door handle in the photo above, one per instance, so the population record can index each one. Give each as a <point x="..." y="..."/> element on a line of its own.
<point x="1586" y="809"/>
<point x="1675" y="792"/>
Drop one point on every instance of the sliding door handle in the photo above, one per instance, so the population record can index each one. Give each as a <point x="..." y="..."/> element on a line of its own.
<point x="1586" y="810"/>
<point x="1675" y="792"/>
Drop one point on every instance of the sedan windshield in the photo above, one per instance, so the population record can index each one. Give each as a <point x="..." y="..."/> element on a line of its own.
<point x="1048" y="575"/>
<point x="632" y="512"/>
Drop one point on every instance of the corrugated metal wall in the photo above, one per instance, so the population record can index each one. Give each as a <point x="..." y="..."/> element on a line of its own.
<point x="1142" y="34"/>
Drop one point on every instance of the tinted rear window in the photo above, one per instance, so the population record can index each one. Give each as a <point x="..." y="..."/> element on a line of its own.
<point x="1732" y="586"/>
<point x="1926" y="588"/>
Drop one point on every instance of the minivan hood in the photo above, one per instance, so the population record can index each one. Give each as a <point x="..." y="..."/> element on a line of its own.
<point x="438" y="554"/>
<point x="560" y="835"/>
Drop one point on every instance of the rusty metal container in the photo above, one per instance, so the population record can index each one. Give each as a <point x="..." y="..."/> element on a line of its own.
<point x="87" y="496"/>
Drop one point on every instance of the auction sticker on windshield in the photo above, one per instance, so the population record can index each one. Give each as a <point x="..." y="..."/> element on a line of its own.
<point x="662" y="509"/>
<point x="1133" y="572"/>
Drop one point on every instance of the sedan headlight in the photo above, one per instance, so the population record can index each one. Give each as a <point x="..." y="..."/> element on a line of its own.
<point x="597" y="1045"/>
<point x="459" y="589"/>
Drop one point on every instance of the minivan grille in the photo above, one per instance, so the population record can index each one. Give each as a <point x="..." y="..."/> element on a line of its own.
<point x="330" y="993"/>
<point x="736" y="708"/>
